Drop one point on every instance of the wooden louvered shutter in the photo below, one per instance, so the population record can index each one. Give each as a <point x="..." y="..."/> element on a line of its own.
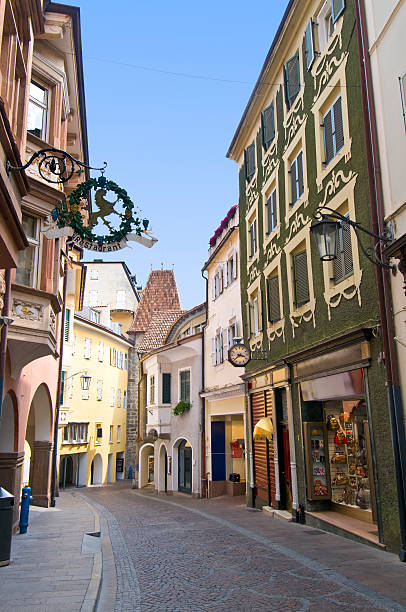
<point x="268" y="125"/>
<point x="274" y="214"/>
<point x="234" y="265"/>
<point x="260" y="454"/>
<point x="166" y="388"/>
<point x="274" y="313"/>
<point x="260" y="314"/>
<point x="67" y="317"/>
<point x="248" y="315"/>
<point x="337" y="7"/>
<point x="300" y="278"/>
<point x="328" y="137"/>
<point x="300" y="182"/>
<point x="250" y="161"/>
<point x="293" y="78"/>
<point x="309" y="45"/>
<point x="338" y="125"/>
<point x="338" y="261"/>
<point x="347" y="250"/>
<point x="293" y="187"/>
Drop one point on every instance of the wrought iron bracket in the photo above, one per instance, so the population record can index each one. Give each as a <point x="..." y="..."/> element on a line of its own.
<point x="257" y="355"/>
<point x="60" y="163"/>
<point x="370" y="253"/>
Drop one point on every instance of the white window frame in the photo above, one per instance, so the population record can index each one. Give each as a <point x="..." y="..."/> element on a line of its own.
<point x="112" y="396"/>
<point x="101" y="351"/>
<point x="99" y="390"/>
<point x="125" y="399"/>
<point x="44" y="106"/>
<point x="118" y="433"/>
<point x="33" y="242"/>
<point x="87" y="348"/>
<point x="119" y="398"/>
<point x="111" y="434"/>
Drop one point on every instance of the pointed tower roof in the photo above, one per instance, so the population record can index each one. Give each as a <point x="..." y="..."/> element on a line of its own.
<point x="160" y="295"/>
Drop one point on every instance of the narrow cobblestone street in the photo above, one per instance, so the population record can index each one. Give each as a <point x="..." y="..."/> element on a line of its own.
<point x="179" y="554"/>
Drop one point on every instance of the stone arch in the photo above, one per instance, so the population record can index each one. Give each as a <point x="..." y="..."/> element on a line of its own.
<point x="181" y="442"/>
<point x="96" y="470"/>
<point x="39" y="437"/>
<point x="9" y="423"/>
<point x="162" y="471"/>
<point x="145" y="453"/>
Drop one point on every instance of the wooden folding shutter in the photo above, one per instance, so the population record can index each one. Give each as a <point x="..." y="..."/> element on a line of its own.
<point x="63" y="377"/>
<point x="250" y="161"/>
<point x="213" y="351"/>
<point x="338" y="268"/>
<point x="274" y="213"/>
<point x="309" y="45"/>
<point x="274" y="313"/>
<point x="348" y="262"/>
<point x="225" y="283"/>
<point x="234" y="265"/>
<point x="248" y="315"/>
<point x="293" y="187"/>
<point x="268" y="125"/>
<point x="338" y="125"/>
<point x="337" y="7"/>
<point x="328" y="137"/>
<point x="260" y="315"/>
<point x="166" y="388"/>
<point x="299" y="161"/>
<point x="254" y="234"/>
<point x="264" y="452"/>
<point x="213" y="288"/>
<point x="292" y="73"/>
<point x="301" y="278"/>
<point x="67" y="317"/>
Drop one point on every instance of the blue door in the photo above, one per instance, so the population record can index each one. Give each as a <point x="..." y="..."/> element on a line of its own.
<point x="218" y="450"/>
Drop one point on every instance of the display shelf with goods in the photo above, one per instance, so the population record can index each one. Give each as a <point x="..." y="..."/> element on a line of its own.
<point x="318" y="469"/>
<point x="349" y="456"/>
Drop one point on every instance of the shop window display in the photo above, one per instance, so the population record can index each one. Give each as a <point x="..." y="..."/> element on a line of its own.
<point x="347" y="435"/>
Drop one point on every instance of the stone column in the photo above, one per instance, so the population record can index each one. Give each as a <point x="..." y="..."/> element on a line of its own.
<point x="11" y="473"/>
<point x="132" y="410"/>
<point x="40" y="473"/>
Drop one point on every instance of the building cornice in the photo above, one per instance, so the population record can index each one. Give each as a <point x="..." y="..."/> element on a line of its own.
<point x="95" y="327"/>
<point x="223" y="393"/>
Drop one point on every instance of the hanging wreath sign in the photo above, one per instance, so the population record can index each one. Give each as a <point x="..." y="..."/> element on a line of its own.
<point x="116" y="218"/>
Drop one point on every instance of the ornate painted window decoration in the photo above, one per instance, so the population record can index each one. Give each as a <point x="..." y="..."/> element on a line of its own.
<point x="223" y="225"/>
<point x="343" y="276"/>
<point x="332" y="132"/>
<point x="294" y="120"/>
<point x="274" y="300"/>
<point x="329" y="59"/>
<point x="254" y="315"/>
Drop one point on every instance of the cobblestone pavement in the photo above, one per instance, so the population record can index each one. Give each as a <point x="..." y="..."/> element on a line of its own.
<point x="183" y="555"/>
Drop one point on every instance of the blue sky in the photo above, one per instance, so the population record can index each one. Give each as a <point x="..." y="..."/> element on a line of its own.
<point x="165" y="136"/>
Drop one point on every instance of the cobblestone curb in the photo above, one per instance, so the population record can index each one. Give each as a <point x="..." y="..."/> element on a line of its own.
<point x="93" y="590"/>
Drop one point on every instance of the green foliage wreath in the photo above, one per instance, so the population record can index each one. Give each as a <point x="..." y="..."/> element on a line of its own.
<point x="67" y="212"/>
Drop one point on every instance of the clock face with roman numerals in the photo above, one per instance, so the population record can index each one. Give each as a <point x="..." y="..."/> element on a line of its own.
<point x="239" y="355"/>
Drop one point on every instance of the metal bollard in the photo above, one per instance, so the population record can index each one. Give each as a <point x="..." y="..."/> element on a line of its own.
<point x="25" y="509"/>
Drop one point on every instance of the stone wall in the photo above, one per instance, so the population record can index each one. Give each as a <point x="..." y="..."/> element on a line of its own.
<point x="132" y="410"/>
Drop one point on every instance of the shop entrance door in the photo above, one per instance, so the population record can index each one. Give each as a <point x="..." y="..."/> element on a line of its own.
<point x="285" y="478"/>
<point x="185" y="467"/>
<point x="218" y="450"/>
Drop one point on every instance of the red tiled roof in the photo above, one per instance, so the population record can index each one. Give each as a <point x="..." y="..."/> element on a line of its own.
<point x="158" y="329"/>
<point x="160" y="295"/>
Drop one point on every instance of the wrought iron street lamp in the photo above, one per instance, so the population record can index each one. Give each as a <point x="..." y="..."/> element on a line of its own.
<point x="326" y="229"/>
<point x="85" y="381"/>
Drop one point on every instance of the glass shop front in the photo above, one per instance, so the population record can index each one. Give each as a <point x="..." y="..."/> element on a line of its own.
<point x="337" y="444"/>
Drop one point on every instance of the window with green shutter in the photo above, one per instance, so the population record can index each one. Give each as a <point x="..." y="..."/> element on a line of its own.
<point x="272" y="214"/>
<point x="343" y="265"/>
<point x="333" y="131"/>
<point x="292" y="79"/>
<point x="268" y="125"/>
<point x="63" y="378"/>
<point x="249" y="157"/>
<point x="67" y="318"/>
<point x="253" y="238"/>
<point x="185" y="386"/>
<point x="296" y="178"/>
<point x="166" y="388"/>
<point x="300" y="278"/>
<point x="337" y="7"/>
<point x="272" y="288"/>
<point x="309" y="45"/>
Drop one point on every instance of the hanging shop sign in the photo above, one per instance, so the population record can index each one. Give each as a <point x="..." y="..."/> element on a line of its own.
<point x="72" y="218"/>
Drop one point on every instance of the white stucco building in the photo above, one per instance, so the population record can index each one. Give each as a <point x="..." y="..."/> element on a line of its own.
<point x="171" y="376"/>
<point x="223" y="394"/>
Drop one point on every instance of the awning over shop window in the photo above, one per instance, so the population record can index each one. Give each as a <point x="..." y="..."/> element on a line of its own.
<point x="263" y="430"/>
<point x="337" y="386"/>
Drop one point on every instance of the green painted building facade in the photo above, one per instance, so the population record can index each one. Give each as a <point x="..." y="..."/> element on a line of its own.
<point x="300" y="145"/>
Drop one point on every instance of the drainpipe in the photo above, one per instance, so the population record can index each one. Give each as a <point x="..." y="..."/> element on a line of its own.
<point x="3" y="340"/>
<point x="384" y="293"/>
<point x="251" y="443"/>
<point x="203" y="387"/>
<point x="59" y="385"/>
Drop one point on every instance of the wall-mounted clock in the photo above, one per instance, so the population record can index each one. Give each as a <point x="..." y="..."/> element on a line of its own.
<point x="239" y="355"/>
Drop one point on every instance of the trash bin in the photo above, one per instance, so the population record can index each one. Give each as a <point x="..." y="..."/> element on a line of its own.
<point x="6" y="525"/>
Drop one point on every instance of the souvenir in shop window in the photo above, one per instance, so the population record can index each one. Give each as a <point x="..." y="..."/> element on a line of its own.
<point x="348" y="450"/>
<point x="318" y="474"/>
